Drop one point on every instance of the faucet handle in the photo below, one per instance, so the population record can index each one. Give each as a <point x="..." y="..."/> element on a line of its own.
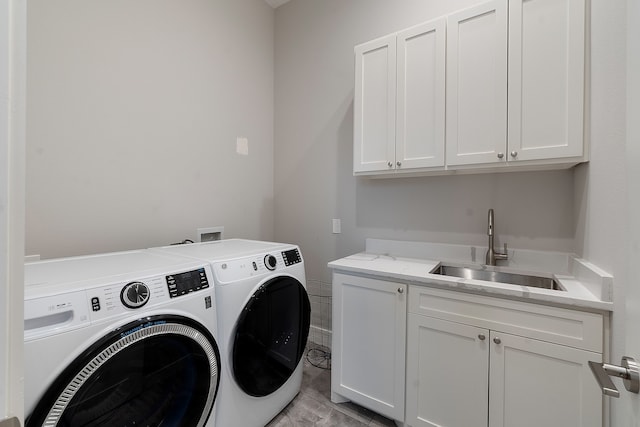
<point x="504" y="255"/>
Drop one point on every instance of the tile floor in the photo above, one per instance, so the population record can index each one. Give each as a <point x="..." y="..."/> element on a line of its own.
<point x="313" y="406"/>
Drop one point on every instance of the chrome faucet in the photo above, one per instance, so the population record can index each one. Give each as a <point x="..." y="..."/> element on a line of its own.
<point x="493" y="256"/>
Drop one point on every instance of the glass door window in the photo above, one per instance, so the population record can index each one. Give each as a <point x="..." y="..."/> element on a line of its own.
<point x="161" y="370"/>
<point x="271" y="336"/>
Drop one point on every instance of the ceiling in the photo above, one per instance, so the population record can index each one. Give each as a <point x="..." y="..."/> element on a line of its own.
<point x="276" y="3"/>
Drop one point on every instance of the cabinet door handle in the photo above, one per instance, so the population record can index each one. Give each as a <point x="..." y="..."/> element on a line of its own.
<point x="481" y="337"/>
<point x="514" y="154"/>
<point x="389" y="164"/>
<point x="500" y="155"/>
<point x="398" y="164"/>
<point x="497" y="340"/>
<point x="400" y="290"/>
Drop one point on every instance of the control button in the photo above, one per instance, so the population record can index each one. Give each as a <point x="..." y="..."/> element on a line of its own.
<point x="270" y="262"/>
<point x="95" y="304"/>
<point x="135" y="295"/>
<point x="207" y="302"/>
<point x="255" y="266"/>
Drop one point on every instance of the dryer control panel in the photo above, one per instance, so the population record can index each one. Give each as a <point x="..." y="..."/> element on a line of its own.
<point x="243" y="268"/>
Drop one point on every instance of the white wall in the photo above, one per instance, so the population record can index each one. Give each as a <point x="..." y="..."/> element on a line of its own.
<point x="314" y="152"/>
<point x="12" y="141"/>
<point x="631" y="415"/>
<point x="602" y="224"/>
<point x="133" y="112"/>
<point x="4" y="196"/>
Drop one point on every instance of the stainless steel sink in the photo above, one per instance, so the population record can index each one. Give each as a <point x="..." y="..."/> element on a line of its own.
<point x="492" y="274"/>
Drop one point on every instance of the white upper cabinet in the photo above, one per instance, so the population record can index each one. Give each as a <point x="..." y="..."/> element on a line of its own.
<point x="546" y="78"/>
<point x="399" y="102"/>
<point x="374" y="106"/>
<point x="498" y="85"/>
<point x="477" y="84"/>
<point x="420" y="124"/>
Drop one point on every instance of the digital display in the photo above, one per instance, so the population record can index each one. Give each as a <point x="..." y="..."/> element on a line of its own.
<point x="184" y="283"/>
<point x="291" y="257"/>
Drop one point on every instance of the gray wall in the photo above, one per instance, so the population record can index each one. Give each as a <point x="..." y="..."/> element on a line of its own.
<point x="602" y="187"/>
<point x="314" y="152"/>
<point x="133" y="112"/>
<point x="631" y="403"/>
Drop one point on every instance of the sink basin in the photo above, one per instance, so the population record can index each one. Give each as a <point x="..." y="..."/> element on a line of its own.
<point x="490" y="275"/>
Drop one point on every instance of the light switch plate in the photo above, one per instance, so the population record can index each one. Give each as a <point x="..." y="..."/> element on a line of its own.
<point x="242" y="146"/>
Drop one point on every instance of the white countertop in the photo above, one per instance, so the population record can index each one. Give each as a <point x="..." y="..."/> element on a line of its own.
<point x="586" y="286"/>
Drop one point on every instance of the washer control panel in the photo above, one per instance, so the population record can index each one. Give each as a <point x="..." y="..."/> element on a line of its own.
<point x="53" y="310"/>
<point x="120" y="297"/>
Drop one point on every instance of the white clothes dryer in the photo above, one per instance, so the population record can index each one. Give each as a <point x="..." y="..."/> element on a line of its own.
<point x="263" y="325"/>
<point x="120" y="339"/>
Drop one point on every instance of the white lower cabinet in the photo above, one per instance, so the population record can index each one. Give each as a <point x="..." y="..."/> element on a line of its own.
<point x="368" y="343"/>
<point x="447" y="376"/>
<point x="471" y="360"/>
<point x="535" y="383"/>
<point x="473" y="374"/>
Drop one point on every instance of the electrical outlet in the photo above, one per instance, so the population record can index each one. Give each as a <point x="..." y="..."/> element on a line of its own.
<point x="209" y="234"/>
<point x="336" y="226"/>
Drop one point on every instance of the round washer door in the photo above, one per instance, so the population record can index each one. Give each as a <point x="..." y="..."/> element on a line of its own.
<point x="271" y="335"/>
<point x="159" y="370"/>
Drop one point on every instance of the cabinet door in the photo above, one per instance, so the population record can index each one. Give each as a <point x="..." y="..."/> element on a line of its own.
<point x="369" y="333"/>
<point x="546" y="78"/>
<point x="535" y="383"/>
<point x="420" y="120"/>
<point x="477" y="84"/>
<point x="374" y="106"/>
<point x="447" y="377"/>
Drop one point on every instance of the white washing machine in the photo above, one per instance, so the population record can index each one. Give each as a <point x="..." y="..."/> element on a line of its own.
<point x="263" y="325"/>
<point x="120" y="339"/>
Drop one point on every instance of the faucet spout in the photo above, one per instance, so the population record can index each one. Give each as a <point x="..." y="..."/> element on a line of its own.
<point x="492" y="256"/>
<point x="490" y="224"/>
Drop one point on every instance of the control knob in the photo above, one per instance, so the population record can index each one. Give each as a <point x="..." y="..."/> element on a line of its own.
<point x="135" y="295"/>
<point x="270" y="262"/>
